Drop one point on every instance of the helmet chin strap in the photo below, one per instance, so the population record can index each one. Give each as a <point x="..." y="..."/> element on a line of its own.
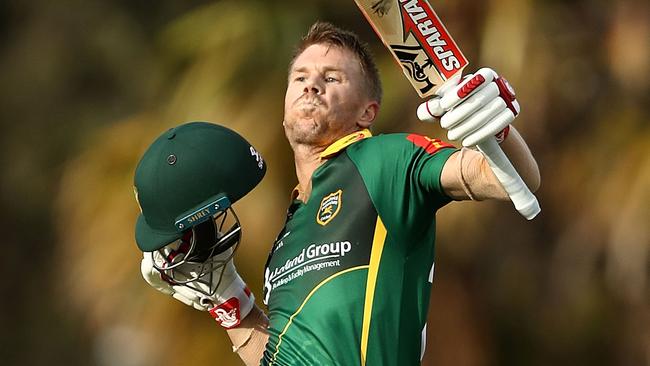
<point x="211" y="238"/>
<point x="205" y="236"/>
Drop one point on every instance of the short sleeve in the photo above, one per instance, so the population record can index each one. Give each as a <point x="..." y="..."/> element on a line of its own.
<point x="429" y="158"/>
<point x="403" y="170"/>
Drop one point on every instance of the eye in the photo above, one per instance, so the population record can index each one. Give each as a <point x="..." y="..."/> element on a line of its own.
<point x="299" y="78"/>
<point x="330" y="79"/>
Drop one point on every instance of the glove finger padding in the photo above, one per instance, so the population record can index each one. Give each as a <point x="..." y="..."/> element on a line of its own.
<point x="475" y="121"/>
<point x="490" y="129"/>
<point x="467" y="87"/>
<point x="469" y="106"/>
<point x="152" y="276"/>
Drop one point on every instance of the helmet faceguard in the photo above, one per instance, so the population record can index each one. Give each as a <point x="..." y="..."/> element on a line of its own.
<point x="196" y="260"/>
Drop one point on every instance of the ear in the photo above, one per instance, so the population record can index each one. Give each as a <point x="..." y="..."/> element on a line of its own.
<point x="369" y="114"/>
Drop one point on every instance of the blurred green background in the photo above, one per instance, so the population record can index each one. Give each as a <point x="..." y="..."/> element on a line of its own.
<point x="87" y="85"/>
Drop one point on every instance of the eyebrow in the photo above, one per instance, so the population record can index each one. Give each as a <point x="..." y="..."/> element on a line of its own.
<point x="325" y="69"/>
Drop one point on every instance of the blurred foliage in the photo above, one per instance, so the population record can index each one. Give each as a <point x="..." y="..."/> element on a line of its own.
<point x="87" y="85"/>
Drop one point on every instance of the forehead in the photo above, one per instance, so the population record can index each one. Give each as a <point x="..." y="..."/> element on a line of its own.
<point x="326" y="56"/>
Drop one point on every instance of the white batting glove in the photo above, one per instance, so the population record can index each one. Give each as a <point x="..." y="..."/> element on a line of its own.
<point x="482" y="105"/>
<point x="229" y="304"/>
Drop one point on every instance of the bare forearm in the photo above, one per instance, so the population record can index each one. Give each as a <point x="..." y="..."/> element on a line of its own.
<point x="486" y="183"/>
<point x="522" y="159"/>
<point x="249" y="339"/>
<point x="467" y="174"/>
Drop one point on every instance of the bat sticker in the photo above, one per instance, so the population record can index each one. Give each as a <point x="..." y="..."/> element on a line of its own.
<point x="419" y="21"/>
<point x="415" y="63"/>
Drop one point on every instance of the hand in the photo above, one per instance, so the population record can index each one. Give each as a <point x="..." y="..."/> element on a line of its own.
<point x="222" y="293"/>
<point x="480" y="106"/>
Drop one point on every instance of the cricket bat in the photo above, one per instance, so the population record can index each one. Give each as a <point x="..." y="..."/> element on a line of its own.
<point x="430" y="59"/>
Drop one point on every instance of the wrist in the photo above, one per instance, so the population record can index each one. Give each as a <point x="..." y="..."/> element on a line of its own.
<point x="233" y="304"/>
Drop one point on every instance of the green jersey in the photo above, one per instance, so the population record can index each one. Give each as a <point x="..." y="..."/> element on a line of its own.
<point x="348" y="279"/>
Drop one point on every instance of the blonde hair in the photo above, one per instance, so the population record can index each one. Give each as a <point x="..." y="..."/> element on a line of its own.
<point x="327" y="33"/>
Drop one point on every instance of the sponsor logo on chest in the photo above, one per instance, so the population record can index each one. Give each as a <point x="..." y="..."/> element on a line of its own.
<point x="313" y="258"/>
<point x="314" y="252"/>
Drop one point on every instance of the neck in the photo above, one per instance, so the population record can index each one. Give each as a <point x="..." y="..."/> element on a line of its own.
<point x="307" y="159"/>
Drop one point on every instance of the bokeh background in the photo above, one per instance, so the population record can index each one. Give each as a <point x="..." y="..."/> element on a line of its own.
<point x="87" y="85"/>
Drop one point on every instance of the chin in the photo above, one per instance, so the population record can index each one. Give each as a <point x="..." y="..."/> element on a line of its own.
<point x="306" y="134"/>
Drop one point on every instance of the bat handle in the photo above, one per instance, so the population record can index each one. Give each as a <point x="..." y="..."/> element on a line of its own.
<point x="524" y="200"/>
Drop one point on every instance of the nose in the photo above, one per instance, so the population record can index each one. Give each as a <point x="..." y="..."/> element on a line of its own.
<point x="311" y="86"/>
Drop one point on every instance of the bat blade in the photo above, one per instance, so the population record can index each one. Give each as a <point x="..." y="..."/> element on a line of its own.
<point x="417" y="40"/>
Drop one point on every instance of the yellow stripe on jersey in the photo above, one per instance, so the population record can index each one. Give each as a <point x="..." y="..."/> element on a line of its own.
<point x="375" y="257"/>
<point x="286" y="327"/>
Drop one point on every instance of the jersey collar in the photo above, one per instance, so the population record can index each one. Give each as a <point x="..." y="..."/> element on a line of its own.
<point x="344" y="142"/>
<point x="337" y="147"/>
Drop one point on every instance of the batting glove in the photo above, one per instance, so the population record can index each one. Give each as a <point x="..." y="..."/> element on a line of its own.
<point x="230" y="300"/>
<point x="480" y="106"/>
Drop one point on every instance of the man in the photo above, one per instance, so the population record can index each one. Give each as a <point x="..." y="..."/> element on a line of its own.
<point x="348" y="279"/>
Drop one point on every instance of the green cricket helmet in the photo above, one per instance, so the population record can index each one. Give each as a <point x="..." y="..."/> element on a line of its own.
<point x="185" y="184"/>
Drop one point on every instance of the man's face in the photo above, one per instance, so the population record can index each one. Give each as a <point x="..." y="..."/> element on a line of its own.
<point x="325" y="99"/>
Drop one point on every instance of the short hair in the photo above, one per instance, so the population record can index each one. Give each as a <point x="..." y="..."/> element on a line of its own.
<point x="329" y="34"/>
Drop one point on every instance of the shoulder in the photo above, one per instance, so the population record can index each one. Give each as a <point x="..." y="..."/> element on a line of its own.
<point x="406" y="155"/>
<point x="391" y="143"/>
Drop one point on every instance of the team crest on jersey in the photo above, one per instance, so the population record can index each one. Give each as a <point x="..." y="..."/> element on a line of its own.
<point x="329" y="207"/>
